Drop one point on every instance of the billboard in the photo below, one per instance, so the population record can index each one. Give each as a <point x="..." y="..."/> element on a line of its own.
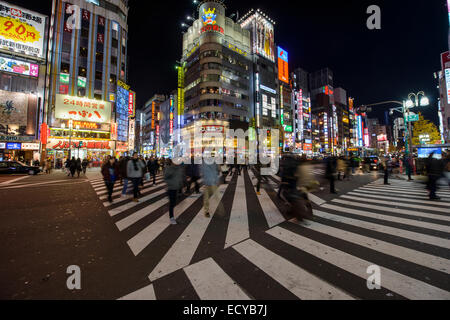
<point x="18" y="114"/>
<point x="19" y="67"/>
<point x="283" y="65"/>
<point x="122" y="105"/>
<point x="424" y="153"/>
<point x="82" y="109"/>
<point x="22" y="30"/>
<point x="264" y="43"/>
<point x="132" y="104"/>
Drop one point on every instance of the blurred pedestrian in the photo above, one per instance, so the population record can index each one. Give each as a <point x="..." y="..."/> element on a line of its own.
<point x="193" y="175"/>
<point x="123" y="168"/>
<point x="330" y="172"/>
<point x="174" y="178"/>
<point x="110" y="174"/>
<point x="340" y="167"/>
<point x="210" y="173"/>
<point x="135" y="172"/>
<point x="79" y="167"/>
<point x="435" y="170"/>
<point x="48" y="166"/>
<point x="153" y="168"/>
<point x="225" y="170"/>
<point x="387" y="164"/>
<point x="73" y="166"/>
<point x="85" y="164"/>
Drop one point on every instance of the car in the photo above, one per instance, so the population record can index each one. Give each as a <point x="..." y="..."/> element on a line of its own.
<point x="372" y="161"/>
<point x="17" y="167"/>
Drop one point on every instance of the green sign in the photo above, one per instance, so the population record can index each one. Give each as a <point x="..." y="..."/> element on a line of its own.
<point x="64" y="78"/>
<point x="287" y="128"/>
<point x="413" y="118"/>
<point x="82" y="82"/>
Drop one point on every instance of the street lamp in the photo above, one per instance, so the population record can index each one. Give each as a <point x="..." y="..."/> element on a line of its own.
<point x="405" y="106"/>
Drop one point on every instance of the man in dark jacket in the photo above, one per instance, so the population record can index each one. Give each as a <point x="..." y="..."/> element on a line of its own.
<point x="174" y="179"/>
<point x="192" y="174"/>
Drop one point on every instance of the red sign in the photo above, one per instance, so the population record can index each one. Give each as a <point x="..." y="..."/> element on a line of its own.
<point x="81" y="144"/>
<point x="211" y="28"/>
<point x="131" y="103"/>
<point x="445" y="58"/>
<point x="44" y="133"/>
<point x="307" y="146"/>
<point x="63" y="89"/>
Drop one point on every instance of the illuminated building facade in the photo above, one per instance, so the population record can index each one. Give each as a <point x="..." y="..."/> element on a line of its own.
<point x="217" y="72"/>
<point x="87" y="80"/>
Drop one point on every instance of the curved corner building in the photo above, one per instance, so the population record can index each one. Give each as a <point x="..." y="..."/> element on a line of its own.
<point x="217" y="62"/>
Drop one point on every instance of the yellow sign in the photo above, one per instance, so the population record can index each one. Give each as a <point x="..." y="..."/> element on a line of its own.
<point x="123" y="85"/>
<point x="17" y="31"/>
<point x="236" y="49"/>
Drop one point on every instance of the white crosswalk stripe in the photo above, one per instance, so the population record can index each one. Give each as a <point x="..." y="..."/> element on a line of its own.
<point x="391" y="222"/>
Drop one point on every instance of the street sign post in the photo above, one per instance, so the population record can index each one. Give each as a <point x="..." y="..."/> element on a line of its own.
<point x="413" y="118"/>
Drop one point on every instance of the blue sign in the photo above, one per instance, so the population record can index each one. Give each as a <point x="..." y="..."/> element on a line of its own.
<point x="13" y="146"/>
<point x="425" y="153"/>
<point x="123" y="97"/>
<point x="282" y="54"/>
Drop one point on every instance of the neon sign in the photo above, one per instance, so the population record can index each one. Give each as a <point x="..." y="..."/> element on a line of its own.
<point x="209" y="17"/>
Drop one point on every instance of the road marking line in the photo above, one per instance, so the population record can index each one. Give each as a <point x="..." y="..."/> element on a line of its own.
<point x="212" y="283"/>
<point x="238" y="228"/>
<point x="13" y="181"/>
<point x="182" y="251"/>
<point x="118" y="210"/>
<point x="140" y="241"/>
<point x="400" y="204"/>
<point x="138" y="215"/>
<point x="298" y="281"/>
<point x="271" y="212"/>
<point x="379" y="195"/>
<point x="146" y="293"/>
<point x="391" y="280"/>
<point x="393" y="210"/>
<point x="409" y="235"/>
<point x="414" y="256"/>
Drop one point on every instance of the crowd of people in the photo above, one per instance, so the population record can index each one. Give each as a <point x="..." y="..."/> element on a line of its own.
<point x="294" y="176"/>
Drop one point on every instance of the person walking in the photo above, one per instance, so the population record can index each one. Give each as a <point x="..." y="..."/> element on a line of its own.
<point x="110" y="174"/>
<point x="387" y="166"/>
<point x="153" y="168"/>
<point x="123" y="167"/>
<point x="174" y="178"/>
<point x="84" y="165"/>
<point x="330" y="173"/>
<point x="225" y="170"/>
<point x="210" y="173"/>
<point x="259" y="177"/>
<point x="73" y="166"/>
<point x="79" y="167"/>
<point x="435" y="170"/>
<point x="48" y="166"/>
<point x="135" y="172"/>
<point x="340" y="168"/>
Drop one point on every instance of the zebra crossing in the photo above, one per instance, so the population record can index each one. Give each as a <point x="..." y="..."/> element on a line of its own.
<point x="248" y="249"/>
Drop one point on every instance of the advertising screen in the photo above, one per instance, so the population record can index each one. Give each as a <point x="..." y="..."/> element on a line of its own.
<point x="283" y="65"/>
<point x="425" y="152"/>
<point x="447" y="81"/>
<point x="82" y="109"/>
<point x="19" y="67"/>
<point x="264" y="43"/>
<point x="122" y="106"/>
<point x="13" y="146"/>
<point x="21" y="30"/>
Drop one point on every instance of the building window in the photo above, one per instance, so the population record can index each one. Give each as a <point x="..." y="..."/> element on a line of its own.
<point x="99" y="57"/>
<point x="83" y="52"/>
<point x="65" y="67"/>
<point x="82" y="72"/>
<point x="98" y="75"/>
<point x="113" y="79"/>
<point x="84" y="33"/>
<point x="114" y="43"/>
<point x="113" y="60"/>
<point x="97" y="96"/>
<point x="81" y="92"/>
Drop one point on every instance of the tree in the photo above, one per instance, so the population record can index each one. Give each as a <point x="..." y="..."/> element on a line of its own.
<point x="425" y="132"/>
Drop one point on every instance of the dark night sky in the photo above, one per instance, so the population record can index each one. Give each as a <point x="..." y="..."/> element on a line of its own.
<point x="372" y="66"/>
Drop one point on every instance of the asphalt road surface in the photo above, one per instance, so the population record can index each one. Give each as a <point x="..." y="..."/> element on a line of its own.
<point x="248" y="249"/>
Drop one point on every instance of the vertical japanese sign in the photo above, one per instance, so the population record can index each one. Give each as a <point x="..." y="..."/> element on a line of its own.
<point x="153" y="114"/>
<point x="180" y="94"/>
<point x="132" y="104"/>
<point x="283" y="65"/>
